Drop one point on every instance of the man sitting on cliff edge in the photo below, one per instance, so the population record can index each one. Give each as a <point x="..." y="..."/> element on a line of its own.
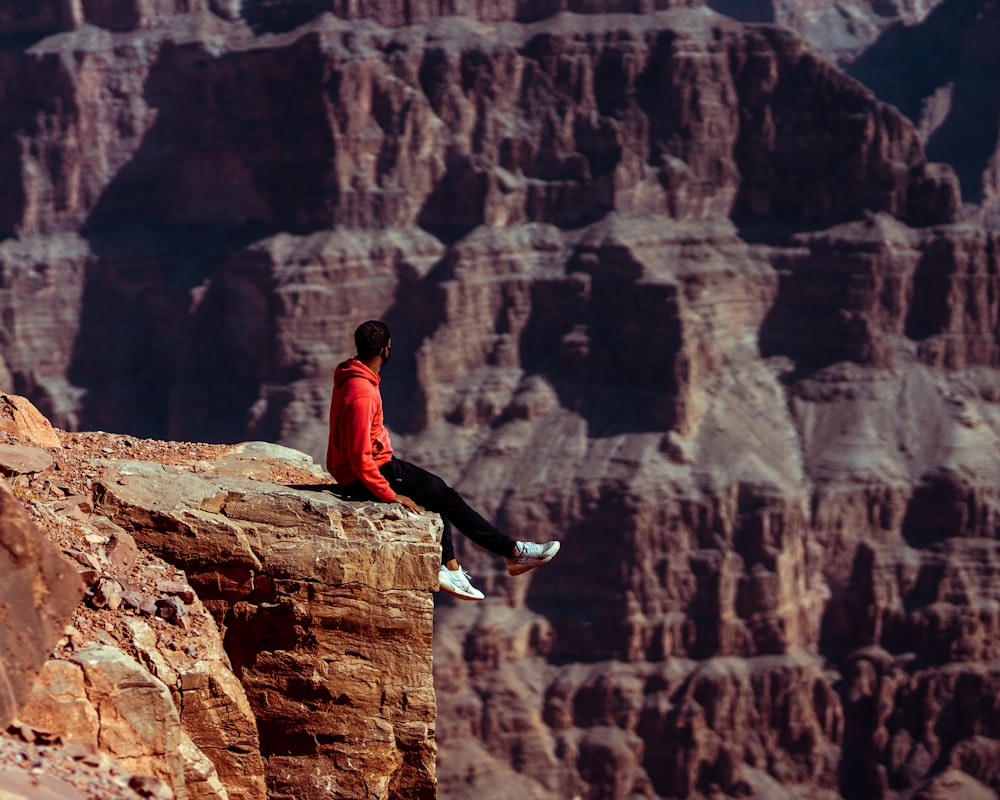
<point x="359" y="455"/>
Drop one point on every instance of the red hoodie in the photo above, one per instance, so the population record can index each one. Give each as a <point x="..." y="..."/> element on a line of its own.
<point x="359" y="443"/>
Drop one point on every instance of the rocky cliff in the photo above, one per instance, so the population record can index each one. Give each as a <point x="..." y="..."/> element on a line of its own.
<point x="288" y="657"/>
<point x="668" y="287"/>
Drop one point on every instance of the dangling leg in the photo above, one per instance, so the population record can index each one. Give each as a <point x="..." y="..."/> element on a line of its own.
<point x="430" y="491"/>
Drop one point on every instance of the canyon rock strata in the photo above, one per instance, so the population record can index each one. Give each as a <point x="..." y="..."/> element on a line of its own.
<point x="241" y="637"/>
<point x="666" y="287"/>
<point x="325" y="612"/>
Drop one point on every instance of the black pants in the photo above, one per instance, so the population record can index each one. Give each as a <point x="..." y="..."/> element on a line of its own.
<point x="430" y="491"/>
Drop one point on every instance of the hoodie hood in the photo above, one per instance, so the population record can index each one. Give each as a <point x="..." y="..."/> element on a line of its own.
<point x="352" y="368"/>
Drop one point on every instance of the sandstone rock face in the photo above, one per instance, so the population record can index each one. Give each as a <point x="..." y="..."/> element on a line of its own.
<point x="20" y="418"/>
<point x="416" y="137"/>
<point x="163" y="714"/>
<point x="40" y="589"/>
<point x="326" y="614"/>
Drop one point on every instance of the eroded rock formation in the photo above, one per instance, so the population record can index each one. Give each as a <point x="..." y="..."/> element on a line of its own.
<point x="669" y="288"/>
<point x="325" y="609"/>
<point x="321" y="659"/>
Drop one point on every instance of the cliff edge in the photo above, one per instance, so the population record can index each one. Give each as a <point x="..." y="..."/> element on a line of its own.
<point x="245" y="633"/>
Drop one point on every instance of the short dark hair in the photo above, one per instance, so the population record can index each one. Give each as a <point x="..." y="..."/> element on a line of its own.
<point x="371" y="338"/>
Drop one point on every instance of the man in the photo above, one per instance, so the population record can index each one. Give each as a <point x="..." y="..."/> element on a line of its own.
<point x="359" y="455"/>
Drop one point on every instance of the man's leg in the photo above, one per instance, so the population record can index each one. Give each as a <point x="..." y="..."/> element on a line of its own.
<point x="434" y="494"/>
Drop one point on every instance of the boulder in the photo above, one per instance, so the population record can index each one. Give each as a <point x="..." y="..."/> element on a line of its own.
<point x="139" y="724"/>
<point x="39" y="591"/>
<point x="20" y="418"/>
<point x="327" y="611"/>
<point x="21" y="460"/>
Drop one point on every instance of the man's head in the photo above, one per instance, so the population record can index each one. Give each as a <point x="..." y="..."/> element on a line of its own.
<point x="371" y="338"/>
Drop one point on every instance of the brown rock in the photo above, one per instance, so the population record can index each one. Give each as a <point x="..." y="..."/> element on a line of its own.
<point x="178" y="589"/>
<point x="77" y="508"/>
<point x="171" y="608"/>
<point x="22" y="420"/>
<point x="39" y="591"/>
<point x="139" y="600"/>
<point x="121" y="551"/>
<point x="21" y="460"/>
<point x="329" y="627"/>
<point x="107" y="594"/>
<point x="139" y="722"/>
<point x="215" y="714"/>
<point x="58" y="703"/>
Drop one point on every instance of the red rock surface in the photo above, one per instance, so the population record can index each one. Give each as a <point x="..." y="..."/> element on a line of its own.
<point x="330" y="633"/>
<point x="40" y="591"/>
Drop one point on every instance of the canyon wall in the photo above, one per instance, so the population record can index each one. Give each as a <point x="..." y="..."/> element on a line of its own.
<point x="670" y="288"/>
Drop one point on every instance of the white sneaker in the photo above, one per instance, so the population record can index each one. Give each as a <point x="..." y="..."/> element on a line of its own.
<point x="529" y="556"/>
<point x="456" y="582"/>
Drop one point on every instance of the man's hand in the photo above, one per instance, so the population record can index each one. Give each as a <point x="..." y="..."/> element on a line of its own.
<point x="408" y="504"/>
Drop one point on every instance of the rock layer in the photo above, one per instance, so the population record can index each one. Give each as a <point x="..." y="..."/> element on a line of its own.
<point x="326" y="614"/>
<point x="426" y="130"/>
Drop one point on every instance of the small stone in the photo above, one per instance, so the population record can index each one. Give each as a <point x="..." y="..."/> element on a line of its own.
<point x="76" y="507"/>
<point x="89" y="576"/>
<point x="170" y="608"/>
<point x="108" y="593"/>
<point x="88" y="560"/>
<point x="176" y="589"/>
<point x="21" y="459"/>
<point x="139" y="601"/>
<point x="121" y="551"/>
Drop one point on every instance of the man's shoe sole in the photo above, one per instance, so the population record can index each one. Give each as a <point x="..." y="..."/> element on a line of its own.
<point x="465" y="597"/>
<point x="519" y="569"/>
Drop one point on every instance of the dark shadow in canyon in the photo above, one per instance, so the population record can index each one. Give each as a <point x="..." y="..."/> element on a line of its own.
<point x="153" y="353"/>
<point x="417" y="310"/>
<point x="456" y="204"/>
<point x="588" y="616"/>
<point x="811" y="320"/>
<point x="609" y="343"/>
<point x="280" y="16"/>
<point x="175" y="339"/>
<point x="744" y="10"/>
<point x="953" y="48"/>
<point x="942" y="506"/>
<point x="19" y="42"/>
